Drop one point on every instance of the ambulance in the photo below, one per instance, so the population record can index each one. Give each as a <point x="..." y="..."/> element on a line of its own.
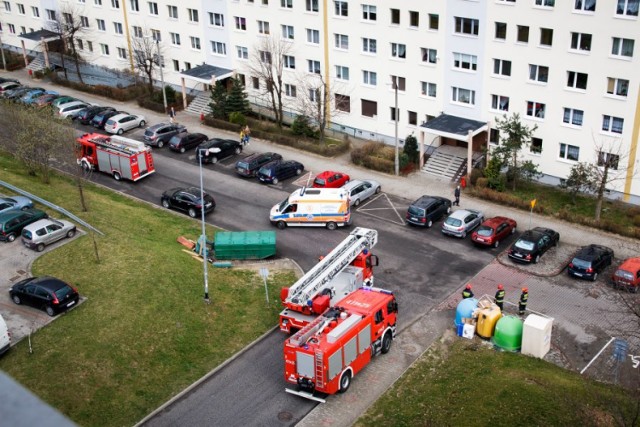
<point x="313" y="207"/>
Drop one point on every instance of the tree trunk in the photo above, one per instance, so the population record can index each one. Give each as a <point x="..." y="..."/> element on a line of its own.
<point x="514" y="171"/>
<point x="75" y="56"/>
<point x="601" y="187"/>
<point x="83" y="203"/>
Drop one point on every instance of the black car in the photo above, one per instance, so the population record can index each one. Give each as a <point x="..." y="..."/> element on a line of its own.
<point x="187" y="200"/>
<point x="5" y="80"/>
<point x="87" y="114"/>
<point x="427" y="209"/>
<point x="186" y="141"/>
<point x="101" y="118"/>
<point x="250" y="165"/>
<point x="532" y="244"/>
<point x="277" y="170"/>
<point x="45" y="293"/>
<point x="161" y="133"/>
<point x="590" y="261"/>
<point x="215" y="149"/>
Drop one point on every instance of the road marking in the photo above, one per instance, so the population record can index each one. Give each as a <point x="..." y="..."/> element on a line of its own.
<point x="367" y="211"/>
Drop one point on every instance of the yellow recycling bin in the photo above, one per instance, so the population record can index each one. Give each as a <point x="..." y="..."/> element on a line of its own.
<point x="487" y="319"/>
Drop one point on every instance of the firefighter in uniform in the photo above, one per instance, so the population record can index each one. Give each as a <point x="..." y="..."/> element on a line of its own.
<point x="524" y="297"/>
<point x="500" y="296"/>
<point x="467" y="292"/>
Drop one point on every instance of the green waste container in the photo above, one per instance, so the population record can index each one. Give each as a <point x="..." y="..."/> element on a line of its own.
<point x="244" y="244"/>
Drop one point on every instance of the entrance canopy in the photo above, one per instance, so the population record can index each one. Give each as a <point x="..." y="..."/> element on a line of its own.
<point x="206" y="73"/>
<point x="37" y="36"/>
<point x="454" y="127"/>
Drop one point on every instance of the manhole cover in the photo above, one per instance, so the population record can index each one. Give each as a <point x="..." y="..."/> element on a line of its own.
<point x="409" y="348"/>
<point x="285" y="416"/>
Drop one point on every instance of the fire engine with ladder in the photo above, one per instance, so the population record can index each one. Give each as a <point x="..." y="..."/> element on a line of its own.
<point x="116" y="155"/>
<point x="346" y="268"/>
<point x="326" y="354"/>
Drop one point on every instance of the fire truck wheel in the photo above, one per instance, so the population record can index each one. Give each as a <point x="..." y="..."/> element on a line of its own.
<point x="192" y="212"/>
<point x="331" y="225"/>
<point x="116" y="176"/>
<point x="386" y="343"/>
<point x="345" y="381"/>
<point x="85" y="166"/>
<point x="281" y="225"/>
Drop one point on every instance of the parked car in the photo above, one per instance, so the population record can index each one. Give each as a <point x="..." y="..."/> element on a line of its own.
<point x="8" y="80"/>
<point x="161" y="133"/>
<point x="532" y="244"/>
<point x="45" y="100"/>
<point x="15" y="203"/>
<point x="63" y="100"/>
<point x="627" y="276"/>
<point x="100" y="119"/>
<point x="274" y="172"/>
<point x="186" y="141"/>
<point x="589" y="261"/>
<point x="12" y="222"/>
<point x="46" y="231"/>
<point x="124" y="122"/>
<point x="462" y="222"/>
<point x="45" y="293"/>
<point x="361" y="190"/>
<point x="427" y="209"/>
<point x="7" y="86"/>
<point x="85" y="115"/>
<point x="32" y="93"/>
<point x="16" y="93"/>
<point x="493" y="231"/>
<point x="330" y="179"/>
<point x="216" y="149"/>
<point x="249" y="166"/>
<point x="70" y="109"/>
<point x="187" y="200"/>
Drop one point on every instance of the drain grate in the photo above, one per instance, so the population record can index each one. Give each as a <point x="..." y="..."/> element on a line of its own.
<point x="285" y="416"/>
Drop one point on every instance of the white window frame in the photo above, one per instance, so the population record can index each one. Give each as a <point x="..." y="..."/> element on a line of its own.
<point x="240" y="22"/>
<point x="538" y="110"/>
<point x="117" y="28"/>
<point x="216" y="20"/>
<point x="581" y="6"/>
<point x="102" y="26"/>
<point x="193" y="15"/>
<point x="567" y="150"/>
<point x="499" y="66"/>
<point x="195" y="43"/>
<point x="466" y="26"/>
<point x="313" y="66"/>
<point x="618" y="47"/>
<point x="369" y="12"/>
<point x="369" y="78"/>
<point x="122" y="53"/>
<point x="287" y="32"/>
<point x="313" y="36"/>
<point x="137" y="31"/>
<point x="218" y="48"/>
<point x="286" y="4"/>
<point x="173" y="12"/>
<point x="134" y="5"/>
<point x="428" y="55"/>
<point x="369" y="46"/>
<point x="342" y="72"/>
<point x="51" y="14"/>
<point x="340" y="8"/>
<point x="576" y="43"/>
<point x="612" y="124"/>
<point x="104" y="49"/>
<point x="35" y="12"/>
<point x="290" y="90"/>
<point x="574" y="77"/>
<point x="617" y="87"/>
<point x="572" y="117"/>
<point x="624" y="8"/>
<point x="289" y="61"/>
<point x="312" y="6"/>
<point x="341" y="41"/>
<point x="546" y="4"/>
<point x="463" y="96"/>
<point x="175" y="39"/>
<point x="264" y="28"/>
<point x="398" y="50"/>
<point x="428" y="89"/>
<point x="242" y="52"/>
<point x="465" y="62"/>
<point x="535" y="74"/>
<point x="153" y="8"/>
<point x="500" y="103"/>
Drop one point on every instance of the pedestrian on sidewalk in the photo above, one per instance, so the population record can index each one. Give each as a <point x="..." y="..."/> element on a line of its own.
<point x="467" y="292"/>
<point x="456" y="194"/>
<point x="172" y="115"/>
<point x="500" y="296"/>
<point x="247" y="135"/>
<point x="242" y="136"/>
<point x="524" y="298"/>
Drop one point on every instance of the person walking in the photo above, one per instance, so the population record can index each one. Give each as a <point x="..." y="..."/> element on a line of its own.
<point x="247" y="135"/>
<point x="524" y="298"/>
<point x="500" y="296"/>
<point x="456" y="194"/>
<point x="172" y="115"/>
<point x="242" y="136"/>
<point x="467" y="292"/>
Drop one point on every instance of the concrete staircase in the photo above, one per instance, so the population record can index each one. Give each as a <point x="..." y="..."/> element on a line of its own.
<point x="447" y="162"/>
<point x="37" y="64"/>
<point x="200" y="104"/>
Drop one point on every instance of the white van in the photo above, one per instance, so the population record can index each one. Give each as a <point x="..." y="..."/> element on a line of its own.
<point x="5" y="336"/>
<point x="313" y="207"/>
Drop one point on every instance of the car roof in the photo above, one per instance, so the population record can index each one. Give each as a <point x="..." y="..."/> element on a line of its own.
<point x="461" y="213"/>
<point x="630" y="264"/>
<point x="47" y="282"/>
<point x="158" y="126"/>
<point x="495" y="221"/>
<point x="45" y="221"/>
<point x="72" y="104"/>
<point x="328" y="173"/>
<point x="11" y="214"/>
<point x="120" y="116"/>
<point x="427" y="200"/>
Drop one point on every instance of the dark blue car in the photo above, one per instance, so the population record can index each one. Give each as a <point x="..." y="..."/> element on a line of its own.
<point x="278" y="170"/>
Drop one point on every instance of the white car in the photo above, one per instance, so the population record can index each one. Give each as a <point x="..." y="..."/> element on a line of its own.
<point x="361" y="190"/>
<point x="123" y="122"/>
<point x="71" y="108"/>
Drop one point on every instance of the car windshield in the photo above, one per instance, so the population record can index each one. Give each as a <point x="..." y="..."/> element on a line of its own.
<point x="63" y="291"/>
<point x="624" y="274"/>
<point x="111" y="122"/>
<point x="243" y="165"/>
<point x="454" y="222"/>
<point x="175" y="140"/>
<point x="26" y="234"/>
<point x="265" y="171"/>
<point x="319" y="181"/>
<point x="148" y="132"/>
<point x="525" y="245"/>
<point x="485" y="231"/>
<point x="283" y="205"/>
<point x="416" y="211"/>
<point x="580" y="263"/>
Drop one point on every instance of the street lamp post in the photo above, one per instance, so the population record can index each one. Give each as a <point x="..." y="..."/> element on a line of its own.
<point x="160" y="63"/>
<point x="396" y="114"/>
<point x="204" y="236"/>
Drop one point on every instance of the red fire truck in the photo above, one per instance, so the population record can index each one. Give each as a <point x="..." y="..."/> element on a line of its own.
<point x="121" y="157"/>
<point x="325" y="355"/>
<point x="346" y="268"/>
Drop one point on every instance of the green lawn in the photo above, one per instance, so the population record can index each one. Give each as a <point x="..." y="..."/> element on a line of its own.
<point x="144" y="332"/>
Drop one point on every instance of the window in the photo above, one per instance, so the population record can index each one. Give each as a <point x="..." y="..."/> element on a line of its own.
<point x="155" y="35"/>
<point x="546" y="36"/>
<point x="97" y="3"/>
<point x="287" y="32"/>
<point x="153" y="8"/>
<point x="627" y="7"/>
<point x="135" y="6"/>
<point x="314" y="95"/>
<point x="84" y="21"/>
<point x="68" y="19"/>
<point x="466" y="26"/>
<point x="394" y="114"/>
<point x="369" y="108"/>
<point x="414" y="19"/>
<point x="176" y="65"/>
<point x="622" y="47"/>
<point x="193" y="15"/>
<point x="494" y="136"/>
<point x="608" y="159"/>
<point x="619" y="87"/>
<point x="12" y="29"/>
<point x="369" y="78"/>
<point x="20" y="9"/>
<point x="577" y="80"/>
<point x="428" y="89"/>
<point x="243" y="52"/>
<point x="289" y="62"/>
<point x="90" y="46"/>
<point x="398" y="50"/>
<point x="115" y="4"/>
<point x="35" y="12"/>
<point x="523" y="34"/>
<point x="429" y="55"/>
<point x="369" y="45"/>
<point x="501" y="31"/>
<point x="569" y="152"/>
<point x="195" y="42"/>
<point x="499" y="102"/>
<point x="51" y="15"/>
<point x="312" y="5"/>
<point x="612" y="124"/>
<point x="255" y="82"/>
<point x="117" y="27"/>
<point x="175" y="39"/>
<point x="501" y="67"/>
<point x="216" y="19"/>
<point x="546" y="3"/>
<point x="137" y="31"/>
<point x="585" y="5"/>
<point x="399" y="82"/>
<point x="104" y="49"/>
<point x="313" y="36"/>
<point x="122" y="53"/>
<point x="343" y="103"/>
<point x="341" y="8"/>
<point x="173" y="12"/>
<point x="101" y="25"/>
<point x="464" y="96"/>
<point x="395" y="16"/>
<point x="290" y="90"/>
<point x="573" y="117"/>
<point x="218" y="48"/>
<point x="265" y="57"/>
<point x="536" y="145"/>
<point x="342" y="72"/>
<point x="535" y="109"/>
<point x="413" y="118"/>
<point x="263" y="27"/>
<point x="434" y="21"/>
<point x="80" y="44"/>
<point x="369" y="12"/>
<point x="463" y="61"/>
<point x="287" y="4"/>
<point x="241" y="23"/>
<point x="341" y="41"/>
<point x="187" y="65"/>
<point x="581" y="41"/>
<point x="538" y="73"/>
<point x="7" y="6"/>
<point x="313" y="66"/>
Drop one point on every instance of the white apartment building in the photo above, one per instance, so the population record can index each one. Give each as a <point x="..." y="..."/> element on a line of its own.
<point x="568" y="67"/>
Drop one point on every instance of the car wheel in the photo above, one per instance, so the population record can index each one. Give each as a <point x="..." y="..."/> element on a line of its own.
<point x="142" y="123"/>
<point x="214" y="160"/>
<point x="71" y="233"/>
<point x="429" y="224"/>
<point x="496" y="243"/>
<point x="11" y="237"/>
<point x="160" y="144"/>
<point x="331" y="225"/>
<point x="378" y="190"/>
<point x="116" y="176"/>
<point x="50" y="311"/>
<point x="281" y="225"/>
<point x="275" y="181"/>
<point x="165" y="203"/>
<point x="357" y="202"/>
<point x="595" y="277"/>
<point x="40" y="247"/>
<point x="386" y="343"/>
<point x="536" y="259"/>
<point x="192" y="212"/>
<point x="182" y="150"/>
<point x="238" y="150"/>
<point x="513" y="230"/>
<point x="298" y="171"/>
<point x="345" y="381"/>
<point x="120" y="131"/>
<point x="16" y="299"/>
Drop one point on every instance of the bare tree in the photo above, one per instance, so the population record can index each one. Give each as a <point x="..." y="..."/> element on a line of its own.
<point x="68" y="26"/>
<point x="145" y="56"/>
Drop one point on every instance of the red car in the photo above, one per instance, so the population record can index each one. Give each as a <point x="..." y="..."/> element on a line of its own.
<point x="493" y="231"/>
<point x="330" y="179"/>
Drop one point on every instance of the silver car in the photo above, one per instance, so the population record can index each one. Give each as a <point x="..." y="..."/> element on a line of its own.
<point x="46" y="231"/>
<point x="361" y="190"/>
<point x="461" y="222"/>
